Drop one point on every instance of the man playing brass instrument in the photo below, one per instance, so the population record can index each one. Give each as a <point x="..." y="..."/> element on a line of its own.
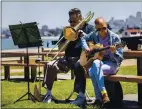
<point x="69" y="61"/>
<point x="110" y="62"/>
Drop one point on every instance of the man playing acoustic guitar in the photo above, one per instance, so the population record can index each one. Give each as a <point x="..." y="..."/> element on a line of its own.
<point x="107" y="65"/>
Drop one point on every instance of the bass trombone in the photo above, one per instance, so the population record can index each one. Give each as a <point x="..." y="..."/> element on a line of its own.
<point x="70" y="33"/>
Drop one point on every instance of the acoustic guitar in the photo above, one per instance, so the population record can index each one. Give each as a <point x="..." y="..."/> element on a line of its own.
<point x="97" y="51"/>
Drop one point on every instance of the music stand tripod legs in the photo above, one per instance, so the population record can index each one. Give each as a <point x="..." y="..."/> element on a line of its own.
<point x="26" y="35"/>
<point x="30" y="96"/>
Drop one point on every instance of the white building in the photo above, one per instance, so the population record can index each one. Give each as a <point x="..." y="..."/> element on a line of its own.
<point x="131" y="33"/>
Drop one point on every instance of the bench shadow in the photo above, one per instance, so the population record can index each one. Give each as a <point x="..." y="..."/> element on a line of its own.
<point x="125" y="105"/>
<point x="131" y="104"/>
<point x="58" y="101"/>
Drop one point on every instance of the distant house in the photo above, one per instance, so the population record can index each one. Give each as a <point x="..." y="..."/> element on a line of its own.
<point x="131" y="32"/>
<point x="3" y="36"/>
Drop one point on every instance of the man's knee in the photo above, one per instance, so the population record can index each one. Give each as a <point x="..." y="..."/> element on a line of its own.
<point x="77" y="66"/>
<point x="97" y="63"/>
<point x="79" y="70"/>
<point x="50" y="63"/>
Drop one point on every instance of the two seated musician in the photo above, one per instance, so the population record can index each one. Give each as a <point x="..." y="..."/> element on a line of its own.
<point x="109" y="64"/>
<point x="69" y="61"/>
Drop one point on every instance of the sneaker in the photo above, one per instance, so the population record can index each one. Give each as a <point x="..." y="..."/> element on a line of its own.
<point x="105" y="98"/>
<point x="80" y="101"/>
<point x="47" y="99"/>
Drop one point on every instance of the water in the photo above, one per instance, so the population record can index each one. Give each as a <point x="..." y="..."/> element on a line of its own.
<point x="7" y="44"/>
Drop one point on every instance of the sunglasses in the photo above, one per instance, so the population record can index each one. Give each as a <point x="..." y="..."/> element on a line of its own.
<point x="103" y="28"/>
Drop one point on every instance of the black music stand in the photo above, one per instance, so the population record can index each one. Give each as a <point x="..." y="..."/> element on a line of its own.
<point x="26" y="35"/>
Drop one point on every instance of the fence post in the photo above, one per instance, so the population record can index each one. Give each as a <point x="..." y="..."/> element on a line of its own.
<point x="139" y="70"/>
<point x="26" y="68"/>
<point x="33" y="73"/>
<point x="7" y="72"/>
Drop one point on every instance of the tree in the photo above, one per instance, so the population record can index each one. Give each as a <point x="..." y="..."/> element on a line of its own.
<point x="121" y="30"/>
<point x="108" y="26"/>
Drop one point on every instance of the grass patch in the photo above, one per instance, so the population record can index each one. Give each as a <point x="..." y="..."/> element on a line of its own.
<point x="128" y="70"/>
<point x="13" y="67"/>
<point x="14" y="74"/>
<point x="11" y="91"/>
<point x="17" y="74"/>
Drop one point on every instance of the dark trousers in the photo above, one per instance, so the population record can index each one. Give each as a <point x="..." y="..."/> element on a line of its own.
<point x="53" y="69"/>
<point x="80" y="79"/>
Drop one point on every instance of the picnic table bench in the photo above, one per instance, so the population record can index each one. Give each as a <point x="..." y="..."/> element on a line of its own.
<point x="26" y="76"/>
<point x="26" y="68"/>
<point x="124" y="78"/>
<point x="112" y="82"/>
<point x="127" y="78"/>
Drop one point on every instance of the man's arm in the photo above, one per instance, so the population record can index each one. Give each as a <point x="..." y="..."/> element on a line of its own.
<point x="118" y="55"/>
<point x="85" y="38"/>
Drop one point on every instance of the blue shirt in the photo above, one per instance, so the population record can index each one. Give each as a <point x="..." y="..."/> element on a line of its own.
<point x="105" y="43"/>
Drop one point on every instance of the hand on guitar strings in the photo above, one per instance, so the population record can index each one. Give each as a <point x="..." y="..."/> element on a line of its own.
<point x="113" y="48"/>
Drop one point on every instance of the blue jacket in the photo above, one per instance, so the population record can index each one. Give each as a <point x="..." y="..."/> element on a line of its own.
<point x="117" y="57"/>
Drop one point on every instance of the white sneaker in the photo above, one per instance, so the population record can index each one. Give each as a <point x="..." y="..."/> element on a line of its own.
<point x="47" y="98"/>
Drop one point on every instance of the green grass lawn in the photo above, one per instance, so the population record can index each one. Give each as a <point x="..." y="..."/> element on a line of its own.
<point x="11" y="91"/>
<point x="17" y="73"/>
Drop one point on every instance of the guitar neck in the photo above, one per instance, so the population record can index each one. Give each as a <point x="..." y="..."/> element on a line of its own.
<point x="104" y="48"/>
<point x="100" y="49"/>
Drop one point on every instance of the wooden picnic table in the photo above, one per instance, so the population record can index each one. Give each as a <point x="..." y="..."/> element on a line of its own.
<point x="138" y="56"/>
<point x="127" y="55"/>
<point x="26" y="58"/>
<point x="18" y="54"/>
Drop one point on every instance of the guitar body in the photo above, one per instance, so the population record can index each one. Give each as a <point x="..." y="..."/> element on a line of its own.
<point x="85" y="60"/>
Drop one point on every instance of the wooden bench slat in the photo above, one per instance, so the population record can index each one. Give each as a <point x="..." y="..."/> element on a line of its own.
<point x="129" y="53"/>
<point x="125" y="78"/>
<point x="26" y="76"/>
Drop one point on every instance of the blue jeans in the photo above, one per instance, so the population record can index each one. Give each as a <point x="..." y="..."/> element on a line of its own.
<point x="96" y="74"/>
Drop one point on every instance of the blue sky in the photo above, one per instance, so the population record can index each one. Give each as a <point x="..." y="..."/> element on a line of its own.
<point x="55" y="14"/>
